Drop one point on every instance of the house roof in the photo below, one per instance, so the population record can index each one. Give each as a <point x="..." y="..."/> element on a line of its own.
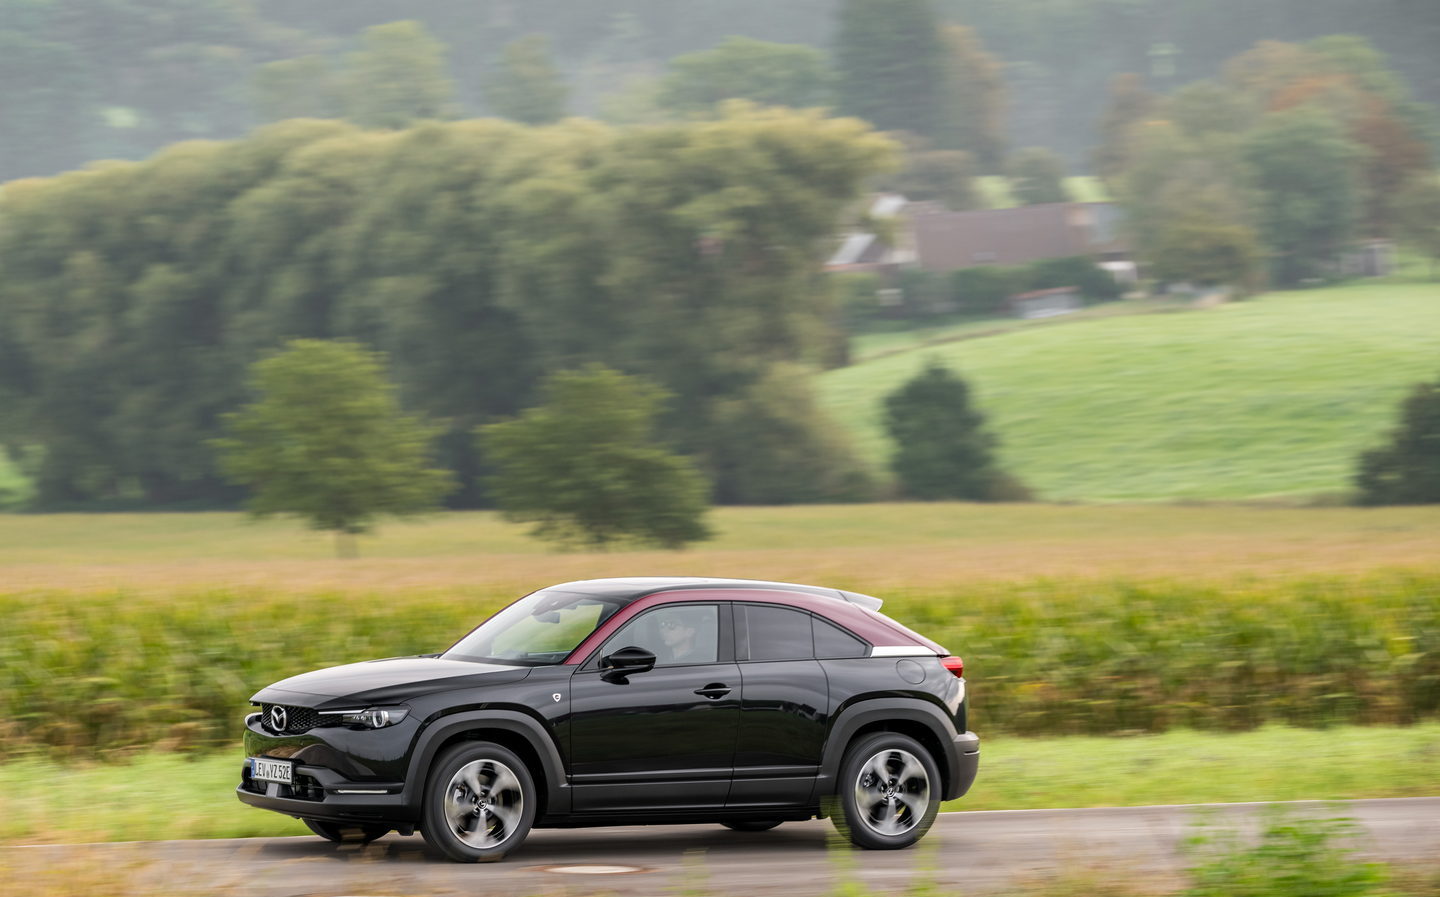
<point x="946" y="241"/>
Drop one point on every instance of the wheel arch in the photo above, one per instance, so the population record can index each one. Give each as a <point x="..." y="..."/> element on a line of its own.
<point x="516" y="731"/>
<point x="915" y="718"/>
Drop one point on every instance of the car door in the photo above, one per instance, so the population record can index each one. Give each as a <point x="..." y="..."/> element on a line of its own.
<point x="663" y="739"/>
<point x="784" y="707"/>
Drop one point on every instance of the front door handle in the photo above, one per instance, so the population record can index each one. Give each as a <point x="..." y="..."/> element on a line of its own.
<point x="714" y="690"/>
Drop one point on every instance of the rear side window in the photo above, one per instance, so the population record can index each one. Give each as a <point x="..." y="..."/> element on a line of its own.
<point x="833" y="642"/>
<point x="776" y="633"/>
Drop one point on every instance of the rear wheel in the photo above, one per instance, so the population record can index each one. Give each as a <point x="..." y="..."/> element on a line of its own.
<point x="479" y="804"/>
<point x="889" y="791"/>
<point x="342" y="833"/>
<point x="751" y="825"/>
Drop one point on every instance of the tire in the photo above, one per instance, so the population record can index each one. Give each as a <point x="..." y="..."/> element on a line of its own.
<point x="751" y="825"/>
<point x="888" y="791"/>
<point x="479" y="803"/>
<point x="341" y="833"/>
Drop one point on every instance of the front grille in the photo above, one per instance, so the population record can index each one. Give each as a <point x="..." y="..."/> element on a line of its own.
<point x="297" y="719"/>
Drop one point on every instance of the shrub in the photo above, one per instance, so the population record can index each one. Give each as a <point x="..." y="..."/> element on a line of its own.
<point x="1293" y="857"/>
<point x="1407" y="471"/>
<point x="942" y="449"/>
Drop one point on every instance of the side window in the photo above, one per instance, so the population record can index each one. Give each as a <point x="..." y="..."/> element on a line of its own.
<point x="831" y="641"/>
<point x="677" y="634"/>
<point x="776" y="633"/>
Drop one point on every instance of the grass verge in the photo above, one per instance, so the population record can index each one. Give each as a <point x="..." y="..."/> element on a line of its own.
<point x="192" y="797"/>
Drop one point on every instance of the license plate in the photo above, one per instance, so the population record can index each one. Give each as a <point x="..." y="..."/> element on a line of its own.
<point x="282" y="771"/>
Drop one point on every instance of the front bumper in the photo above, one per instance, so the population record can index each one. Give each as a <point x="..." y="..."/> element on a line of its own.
<point x="320" y="793"/>
<point x="965" y="764"/>
<point x="340" y="774"/>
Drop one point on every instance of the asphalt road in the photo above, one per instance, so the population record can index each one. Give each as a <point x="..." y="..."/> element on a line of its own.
<point x="973" y="853"/>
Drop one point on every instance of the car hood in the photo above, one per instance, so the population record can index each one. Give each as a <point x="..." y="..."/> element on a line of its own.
<point x="382" y="681"/>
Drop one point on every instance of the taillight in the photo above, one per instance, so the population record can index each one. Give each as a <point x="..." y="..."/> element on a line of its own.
<point x="955" y="665"/>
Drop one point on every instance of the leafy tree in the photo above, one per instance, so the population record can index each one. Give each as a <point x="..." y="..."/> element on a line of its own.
<point x="325" y="441"/>
<point x="772" y="445"/>
<point x="743" y="68"/>
<point x="1128" y="105"/>
<point x="397" y="77"/>
<point x="973" y="99"/>
<point x="931" y="175"/>
<point x="942" y="449"/>
<point x="891" y="64"/>
<point x="1309" y="196"/>
<point x="583" y="466"/>
<point x="526" y="86"/>
<point x="304" y="87"/>
<point x="1407" y="471"/>
<point x="1190" y="216"/>
<point x="1036" y="176"/>
<point x="1418" y="209"/>
<point x="1207" y="109"/>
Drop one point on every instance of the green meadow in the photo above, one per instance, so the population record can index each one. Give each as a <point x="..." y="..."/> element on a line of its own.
<point x="1266" y="399"/>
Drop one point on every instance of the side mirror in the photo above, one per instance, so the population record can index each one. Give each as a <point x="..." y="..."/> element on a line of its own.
<point x="626" y="661"/>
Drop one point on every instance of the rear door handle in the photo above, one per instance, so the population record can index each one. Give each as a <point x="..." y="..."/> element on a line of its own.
<point x="714" y="690"/>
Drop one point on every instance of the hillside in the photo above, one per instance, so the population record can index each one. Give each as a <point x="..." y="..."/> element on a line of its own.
<point x="1269" y="398"/>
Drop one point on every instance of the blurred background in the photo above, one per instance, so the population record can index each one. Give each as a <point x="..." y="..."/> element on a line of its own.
<point x="1101" y="338"/>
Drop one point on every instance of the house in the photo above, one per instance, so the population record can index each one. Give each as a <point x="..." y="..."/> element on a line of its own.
<point x="948" y="241"/>
<point x="932" y="238"/>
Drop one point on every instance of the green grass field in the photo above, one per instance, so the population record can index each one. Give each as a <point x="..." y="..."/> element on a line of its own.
<point x="995" y="190"/>
<point x="1266" y="399"/>
<point x="192" y="797"/>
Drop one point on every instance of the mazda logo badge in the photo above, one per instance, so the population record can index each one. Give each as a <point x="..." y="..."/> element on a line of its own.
<point x="279" y="719"/>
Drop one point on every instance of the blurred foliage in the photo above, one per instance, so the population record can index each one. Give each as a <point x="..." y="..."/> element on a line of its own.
<point x="1294" y="856"/>
<point x="583" y="465"/>
<point x="83" y="671"/>
<point x="526" y="86"/>
<point x="743" y="68"/>
<point x="1407" y="470"/>
<point x="890" y="63"/>
<point x="479" y="256"/>
<point x="1037" y="175"/>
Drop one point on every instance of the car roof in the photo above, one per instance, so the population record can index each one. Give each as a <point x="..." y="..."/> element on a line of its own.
<point x="630" y="588"/>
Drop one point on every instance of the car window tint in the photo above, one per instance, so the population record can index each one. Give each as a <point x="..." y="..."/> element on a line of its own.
<point x="778" y="633"/>
<point x="677" y="634"/>
<point x="831" y="641"/>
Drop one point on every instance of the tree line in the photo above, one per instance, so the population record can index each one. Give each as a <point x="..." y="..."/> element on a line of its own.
<point x="87" y="79"/>
<point x="480" y="256"/>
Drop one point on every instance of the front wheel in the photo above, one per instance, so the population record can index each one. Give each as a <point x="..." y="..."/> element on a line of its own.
<point x="479" y="804"/>
<point x="889" y="791"/>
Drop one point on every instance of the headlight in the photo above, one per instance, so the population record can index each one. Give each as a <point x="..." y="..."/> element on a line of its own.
<point x="370" y="717"/>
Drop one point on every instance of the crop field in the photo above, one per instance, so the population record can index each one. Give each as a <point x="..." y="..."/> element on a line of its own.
<point x="132" y="630"/>
<point x="1271" y="398"/>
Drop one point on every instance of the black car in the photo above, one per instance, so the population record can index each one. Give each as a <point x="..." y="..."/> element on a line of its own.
<point x="648" y="700"/>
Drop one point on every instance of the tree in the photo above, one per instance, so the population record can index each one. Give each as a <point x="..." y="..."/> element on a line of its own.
<point x="1305" y="171"/>
<point x="773" y="445"/>
<point x="583" y="466"/>
<point x="525" y="86"/>
<point x="397" y="77"/>
<point x="325" y="441"/>
<point x="891" y="64"/>
<point x="296" y="88"/>
<point x="1128" y="105"/>
<point x="942" y="449"/>
<point x="973" y="99"/>
<point x="1036" y="176"/>
<point x="931" y="175"/>
<point x="743" y="68"/>
<point x="1418" y="209"/>
<point x="1407" y="471"/>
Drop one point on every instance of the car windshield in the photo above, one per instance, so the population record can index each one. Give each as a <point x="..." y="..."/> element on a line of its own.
<point x="541" y="628"/>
